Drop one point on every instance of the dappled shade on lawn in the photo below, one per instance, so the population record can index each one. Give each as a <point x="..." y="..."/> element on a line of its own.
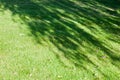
<point x="77" y="28"/>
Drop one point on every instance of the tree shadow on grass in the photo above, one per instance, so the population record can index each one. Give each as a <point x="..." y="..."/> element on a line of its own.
<point x="76" y="28"/>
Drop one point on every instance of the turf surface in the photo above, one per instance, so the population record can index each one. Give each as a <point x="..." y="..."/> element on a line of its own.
<point x="59" y="40"/>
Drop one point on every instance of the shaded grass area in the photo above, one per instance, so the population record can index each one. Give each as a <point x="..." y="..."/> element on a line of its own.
<point x="86" y="33"/>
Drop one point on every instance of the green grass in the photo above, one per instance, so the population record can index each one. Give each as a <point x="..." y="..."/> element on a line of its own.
<point x="59" y="40"/>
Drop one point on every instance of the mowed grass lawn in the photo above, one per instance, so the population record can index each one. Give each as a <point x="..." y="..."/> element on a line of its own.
<point x="59" y="40"/>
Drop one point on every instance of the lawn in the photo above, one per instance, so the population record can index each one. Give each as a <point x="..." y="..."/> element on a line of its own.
<point x="59" y="39"/>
